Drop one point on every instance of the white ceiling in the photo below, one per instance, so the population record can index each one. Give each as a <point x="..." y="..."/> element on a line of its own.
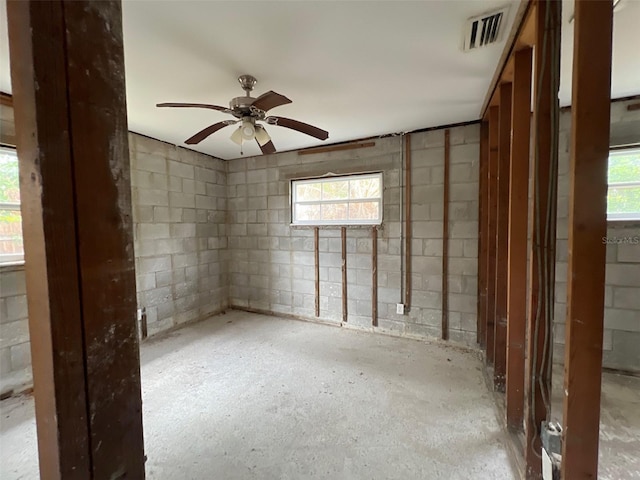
<point x="354" y="68"/>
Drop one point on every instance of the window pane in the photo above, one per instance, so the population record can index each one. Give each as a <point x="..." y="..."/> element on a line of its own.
<point x="9" y="188"/>
<point x="623" y="199"/>
<point x="363" y="211"/>
<point x="306" y="192"/>
<point x="10" y="233"/>
<point x="338" y="190"/>
<point x="624" y="166"/>
<point x="364" y="188"/>
<point x="305" y="213"/>
<point x="334" y="211"/>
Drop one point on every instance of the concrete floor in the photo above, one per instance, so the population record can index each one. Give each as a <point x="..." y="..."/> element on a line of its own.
<point x="244" y="396"/>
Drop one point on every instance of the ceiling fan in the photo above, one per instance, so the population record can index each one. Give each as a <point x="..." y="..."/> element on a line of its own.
<point x="248" y="111"/>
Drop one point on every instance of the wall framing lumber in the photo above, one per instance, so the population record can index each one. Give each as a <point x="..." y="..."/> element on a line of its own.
<point x="518" y="227"/>
<point x="343" y="237"/>
<point x="316" y="258"/>
<point x="502" y="244"/>
<point x="72" y="141"/>
<point x="374" y="276"/>
<point x="590" y="124"/>
<point x="543" y="233"/>
<point x="492" y="206"/>
<point x="408" y="231"/>
<point x="482" y="233"/>
<point x="445" y="239"/>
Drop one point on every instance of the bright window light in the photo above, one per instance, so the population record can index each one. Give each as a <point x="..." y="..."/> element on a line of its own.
<point x="345" y="200"/>
<point x="623" y="196"/>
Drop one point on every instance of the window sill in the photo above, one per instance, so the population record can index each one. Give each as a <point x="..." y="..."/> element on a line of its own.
<point x="12" y="266"/>
<point x="337" y="226"/>
<point x="614" y="224"/>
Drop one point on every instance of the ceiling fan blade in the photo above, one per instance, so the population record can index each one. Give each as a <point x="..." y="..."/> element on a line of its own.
<point x="299" y="126"/>
<point x="194" y="105"/>
<point x="202" y="134"/>
<point x="267" y="148"/>
<point x="270" y="100"/>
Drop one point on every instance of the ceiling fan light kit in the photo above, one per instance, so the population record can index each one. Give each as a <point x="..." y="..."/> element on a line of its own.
<point x="249" y="110"/>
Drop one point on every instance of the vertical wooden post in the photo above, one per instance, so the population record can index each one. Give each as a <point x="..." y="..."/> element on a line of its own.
<point x="445" y="241"/>
<point x="502" y="244"/>
<point x="518" y="225"/>
<point x="407" y="215"/>
<point x="67" y="68"/>
<point x="316" y="256"/>
<point x="482" y="233"/>
<point x="374" y="276"/>
<point x="492" y="205"/>
<point x="590" y="112"/>
<point x="543" y="233"/>
<point x="345" y="313"/>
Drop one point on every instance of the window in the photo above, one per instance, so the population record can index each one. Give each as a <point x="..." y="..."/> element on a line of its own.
<point x="345" y="200"/>
<point x="623" y="197"/>
<point x="11" y="249"/>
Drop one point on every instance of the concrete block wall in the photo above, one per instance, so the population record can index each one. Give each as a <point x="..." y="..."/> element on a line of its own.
<point x="272" y="263"/>
<point x="15" y="356"/>
<point x="622" y="284"/>
<point x="179" y="213"/>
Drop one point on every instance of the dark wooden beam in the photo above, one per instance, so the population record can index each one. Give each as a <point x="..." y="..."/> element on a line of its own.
<point x="316" y="256"/>
<point x="591" y="103"/>
<point x="445" y="240"/>
<point x="336" y="148"/>
<point x="518" y="225"/>
<point x="408" y="233"/>
<point x="67" y="69"/>
<point x="374" y="276"/>
<point x="502" y="241"/>
<point x="543" y="232"/>
<point x="345" y="312"/>
<point x="492" y="206"/>
<point x="482" y="233"/>
<point x="6" y="100"/>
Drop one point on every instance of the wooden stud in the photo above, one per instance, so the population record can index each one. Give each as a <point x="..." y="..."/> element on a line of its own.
<point x="492" y="204"/>
<point x="445" y="240"/>
<point x="67" y="69"/>
<point x="316" y="255"/>
<point x="543" y="233"/>
<point x="482" y="233"/>
<point x="345" y="312"/>
<point x="374" y="276"/>
<point x="590" y="120"/>
<point x="6" y="100"/>
<point x="336" y="148"/>
<point x="408" y="230"/>
<point x="502" y="244"/>
<point x="518" y="224"/>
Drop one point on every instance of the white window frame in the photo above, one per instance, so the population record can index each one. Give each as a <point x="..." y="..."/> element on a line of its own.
<point x="8" y="259"/>
<point x="623" y="217"/>
<point x="343" y="222"/>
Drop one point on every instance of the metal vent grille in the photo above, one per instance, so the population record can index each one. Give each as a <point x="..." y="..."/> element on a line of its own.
<point x="484" y="30"/>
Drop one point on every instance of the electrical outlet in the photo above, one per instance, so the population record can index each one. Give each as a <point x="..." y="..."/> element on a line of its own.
<point x="400" y="308"/>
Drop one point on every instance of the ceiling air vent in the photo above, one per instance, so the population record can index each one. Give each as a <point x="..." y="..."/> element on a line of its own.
<point x="484" y="29"/>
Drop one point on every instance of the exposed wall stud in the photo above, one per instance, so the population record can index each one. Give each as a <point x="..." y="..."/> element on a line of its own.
<point x="502" y="244"/>
<point x="518" y="225"/>
<point x="445" y="240"/>
<point x="590" y="120"/>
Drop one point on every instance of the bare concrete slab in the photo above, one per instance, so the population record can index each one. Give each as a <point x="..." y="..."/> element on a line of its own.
<point x="245" y="396"/>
